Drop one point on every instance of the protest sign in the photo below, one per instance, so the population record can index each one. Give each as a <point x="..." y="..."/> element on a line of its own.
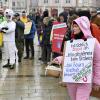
<point x="78" y="61"/>
<point x="28" y="26"/>
<point x="59" y="31"/>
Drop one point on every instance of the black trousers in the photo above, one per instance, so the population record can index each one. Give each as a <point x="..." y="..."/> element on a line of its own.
<point x="29" y="47"/>
<point x="46" y="53"/>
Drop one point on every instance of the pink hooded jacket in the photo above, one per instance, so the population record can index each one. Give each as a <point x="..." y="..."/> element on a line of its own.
<point x="84" y="25"/>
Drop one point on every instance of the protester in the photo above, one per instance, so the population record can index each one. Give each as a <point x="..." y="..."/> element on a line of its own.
<point x="29" y="40"/>
<point x="81" y="91"/>
<point x="9" y="50"/>
<point x="65" y="14"/>
<point x="24" y="17"/>
<point x="46" y="46"/>
<point x="19" y="36"/>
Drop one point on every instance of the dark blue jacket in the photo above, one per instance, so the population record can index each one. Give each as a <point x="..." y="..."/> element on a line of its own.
<point x="32" y="32"/>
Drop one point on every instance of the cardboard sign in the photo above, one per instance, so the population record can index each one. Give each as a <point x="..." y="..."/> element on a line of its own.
<point x="78" y="61"/>
<point x="59" y="31"/>
<point x="28" y="26"/>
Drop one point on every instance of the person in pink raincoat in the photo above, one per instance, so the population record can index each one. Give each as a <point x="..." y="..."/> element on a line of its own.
<point x="81" y="91"/>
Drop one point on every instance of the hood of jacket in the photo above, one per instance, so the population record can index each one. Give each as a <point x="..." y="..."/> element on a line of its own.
<point x="84" y="24"/>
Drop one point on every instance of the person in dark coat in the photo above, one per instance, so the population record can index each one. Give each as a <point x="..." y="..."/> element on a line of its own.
<point x="46" y="45"/>
<point x="84" y="13"/>
<point x="64" y="14"/>
<point x="19" y="35"/>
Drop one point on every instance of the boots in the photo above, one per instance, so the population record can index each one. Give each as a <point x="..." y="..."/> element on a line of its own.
<point x="6" y="66"/>
<point x="11" y="66"/>
<point x="32" y="55"/>
<point x="27" y="55"/>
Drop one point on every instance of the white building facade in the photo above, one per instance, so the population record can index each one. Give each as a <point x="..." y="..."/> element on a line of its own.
<point x="20" y="5"/>
<point x="60" y="4"/>
<point x="56" y="4"/>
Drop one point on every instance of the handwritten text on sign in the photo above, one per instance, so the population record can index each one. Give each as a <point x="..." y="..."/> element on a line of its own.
<point x="78" y="61"/>
<point x="28" y="26"/>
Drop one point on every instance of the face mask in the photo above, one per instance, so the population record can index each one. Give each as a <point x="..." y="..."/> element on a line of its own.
<point x="8" y="18"/>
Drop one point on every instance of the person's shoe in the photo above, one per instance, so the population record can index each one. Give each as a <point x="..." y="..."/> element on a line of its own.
<point x="19" y="60"/>
<point x="6" y="66"/>
<point x="26" y="57"/>
<point x="40" y="58"/>
<point x="31" y="58"/>
<point x="11" y="66"/>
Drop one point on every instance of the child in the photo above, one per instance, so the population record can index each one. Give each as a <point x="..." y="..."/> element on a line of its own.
<point x="81" y="91"/>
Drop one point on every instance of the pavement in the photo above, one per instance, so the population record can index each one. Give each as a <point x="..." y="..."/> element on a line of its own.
<point x="28" y="82"/>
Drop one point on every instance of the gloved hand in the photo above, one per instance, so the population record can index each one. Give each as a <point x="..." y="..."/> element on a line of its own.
<point x="5" y="28"/>
<point x="4" y="31"/>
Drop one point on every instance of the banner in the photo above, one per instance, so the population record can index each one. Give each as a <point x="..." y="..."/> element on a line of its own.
<point x="28" y="26"/>
<point x="59" y="31"/>
<point x="78" y="61"/>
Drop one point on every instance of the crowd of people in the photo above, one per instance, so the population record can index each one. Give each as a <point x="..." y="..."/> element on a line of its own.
<point x="81" y="24"/>
<point x="42" y="24"/>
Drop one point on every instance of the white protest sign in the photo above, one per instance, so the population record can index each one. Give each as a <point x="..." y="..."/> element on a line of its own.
<point x="78" y="61"/>
<point x="28" y="26"/>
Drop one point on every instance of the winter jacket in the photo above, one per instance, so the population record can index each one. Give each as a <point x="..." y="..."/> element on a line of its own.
<point x="46" y="35"/>
<point x="24" y="19"/>
<point x="19" y="35"/>
<point x="95" y="31"/>
<point x="84" y="25"/>
<point x="66" y="38"/>
<point x="32" y="32"/>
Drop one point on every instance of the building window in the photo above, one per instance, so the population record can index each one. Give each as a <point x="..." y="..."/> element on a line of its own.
<point x="19" y="4"/>
<point x="56" y="1"/>
<point x="67" y="1"/>
<point x="45" y="1"/>
<point x="13" y="3"/>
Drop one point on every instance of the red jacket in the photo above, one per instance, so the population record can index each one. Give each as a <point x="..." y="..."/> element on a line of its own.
<point x="95" y="31"/>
